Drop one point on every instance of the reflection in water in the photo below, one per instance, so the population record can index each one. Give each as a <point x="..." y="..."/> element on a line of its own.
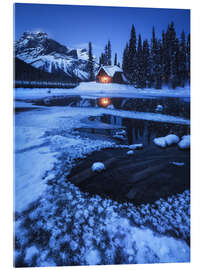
<point x="104" y="102"/>
<point x="144" y="131"/>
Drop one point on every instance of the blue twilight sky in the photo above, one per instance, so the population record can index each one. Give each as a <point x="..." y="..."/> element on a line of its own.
<point x="75" y="26"/>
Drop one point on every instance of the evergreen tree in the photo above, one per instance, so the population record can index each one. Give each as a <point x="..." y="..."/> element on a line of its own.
<point x="115" y="60"/>
<point x="139" y="70"/>
<point x="132" y="55"/>
<point x="182" y="60"/>
<point x="175" y="62"/>
<point x="188" y="57"/>
<point x="125" y="61"/>
<point x="109" y="53"/>
<point x="102" y="59"/>
<point x="146" y="64"/>
<point x="106" y="55"/>
<point x="90" y="63"/>
<point x="119" y="65"/>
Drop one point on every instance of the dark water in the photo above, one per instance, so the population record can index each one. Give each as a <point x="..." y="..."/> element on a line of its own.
<point x="136" y="131"/>
<point x="164" y="105"/>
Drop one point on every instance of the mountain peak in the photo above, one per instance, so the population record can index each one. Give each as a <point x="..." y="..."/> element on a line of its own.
<point x="38" y="43"/>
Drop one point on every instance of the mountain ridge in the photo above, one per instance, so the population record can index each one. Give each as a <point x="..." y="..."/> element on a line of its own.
<point x="46" y="54"/>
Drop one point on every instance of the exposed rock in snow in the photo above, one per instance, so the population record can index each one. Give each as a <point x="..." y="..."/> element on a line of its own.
<point x="185" y="142"/>
<point x="98" y="167"/>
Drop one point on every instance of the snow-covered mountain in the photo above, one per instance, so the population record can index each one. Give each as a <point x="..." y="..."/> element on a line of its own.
<point x="38" y="50"/>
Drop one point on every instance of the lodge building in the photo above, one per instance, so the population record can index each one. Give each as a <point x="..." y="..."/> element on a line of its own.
<point x="110" y="74"/>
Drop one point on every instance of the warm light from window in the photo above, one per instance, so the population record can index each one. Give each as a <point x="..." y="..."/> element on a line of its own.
<point x="105" y="79"/>
<point x="104" y="102"/>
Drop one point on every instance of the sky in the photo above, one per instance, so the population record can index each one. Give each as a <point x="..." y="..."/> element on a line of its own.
<point x="75" y="26"/>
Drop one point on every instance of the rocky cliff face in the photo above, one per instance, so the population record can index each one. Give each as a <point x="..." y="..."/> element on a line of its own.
<point x="41" y="52"/>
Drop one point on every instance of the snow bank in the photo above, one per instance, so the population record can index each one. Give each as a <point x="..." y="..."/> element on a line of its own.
<point x="166" y="141"/>
<point x="98" y="167"/>
<point x="135" y="146"/>
<point x="100" y="89"/>
<point x="185" y="142"/>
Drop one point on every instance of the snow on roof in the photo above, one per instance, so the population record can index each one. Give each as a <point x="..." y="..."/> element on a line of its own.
<point x="110" y="70"/>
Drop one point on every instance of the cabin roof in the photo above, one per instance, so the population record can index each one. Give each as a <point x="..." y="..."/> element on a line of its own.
<point x="110" y="70"/>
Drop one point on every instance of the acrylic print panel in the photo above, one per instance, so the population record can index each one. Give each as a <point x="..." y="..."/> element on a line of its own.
<point x="102" y="135"/>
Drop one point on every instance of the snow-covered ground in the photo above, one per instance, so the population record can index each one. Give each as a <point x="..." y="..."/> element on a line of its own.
<point x="60" y="224"/>
<point x="99" y="89"/>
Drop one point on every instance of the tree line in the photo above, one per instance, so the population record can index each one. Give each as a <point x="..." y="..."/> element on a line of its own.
<point x="162" y="61"/>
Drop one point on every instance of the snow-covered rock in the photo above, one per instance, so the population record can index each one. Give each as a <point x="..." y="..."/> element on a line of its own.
<point x="98" y="167"/>
<point x="171" y="139"/>
<point x="159" y="108"/>
<point x="130" y="152"/>
<point x="135" y="146"/>
<point x="166" y="141"/>
<point x="161" y="142"/>
<point x="185" y="142"/>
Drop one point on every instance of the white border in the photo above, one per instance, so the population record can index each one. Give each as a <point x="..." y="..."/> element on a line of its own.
<point x="6" y="139"/>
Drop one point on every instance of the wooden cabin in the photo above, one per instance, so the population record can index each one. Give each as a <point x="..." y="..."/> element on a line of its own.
<point x="110" y="74"/>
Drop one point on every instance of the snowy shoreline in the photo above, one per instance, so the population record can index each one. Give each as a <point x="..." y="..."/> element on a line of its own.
<point x="98" y="89"/>
<point x="54" y="217"/>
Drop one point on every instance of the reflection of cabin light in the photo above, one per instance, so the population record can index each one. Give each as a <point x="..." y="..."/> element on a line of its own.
<point x="104" y="102"/>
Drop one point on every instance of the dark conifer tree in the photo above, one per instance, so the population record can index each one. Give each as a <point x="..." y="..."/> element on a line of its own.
<point x="102" y="59"/>
<point x="146" y="64"/>
<point x="106" y="55"/>
<point x="132" y="55"/>
<point x="125" y="62"/>
<point x="90" y="63"/>
<point x="109" y="53"/>
<point x="182" y="60"/>
<point x="115" y="60"/>
<point x="188" y="58"/>
<point x="139" y="70"/>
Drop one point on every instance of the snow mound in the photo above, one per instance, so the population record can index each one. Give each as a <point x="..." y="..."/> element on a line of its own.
<point x="166" y="141"/>
<point x="98" y="167"/>
<point x="136" y="146"/>
<point x="159" y="108"/>
<point x="130" y="152"/>
<point x="178" y="163"/>
<point x="161" y="142"/>
<point x="171" y="139"/>
<point x="185" y="142"/>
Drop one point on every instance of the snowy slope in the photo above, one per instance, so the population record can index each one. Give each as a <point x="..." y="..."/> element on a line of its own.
<point x="38" y="50"/>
